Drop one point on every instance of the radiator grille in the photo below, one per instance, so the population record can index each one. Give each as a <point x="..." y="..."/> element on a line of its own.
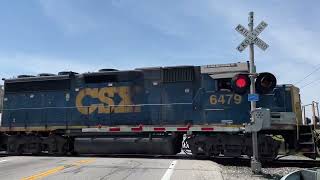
<point x="178" y="74"/>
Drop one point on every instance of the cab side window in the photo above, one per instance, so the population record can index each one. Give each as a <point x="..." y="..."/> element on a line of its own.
<point x="224" y="84"/>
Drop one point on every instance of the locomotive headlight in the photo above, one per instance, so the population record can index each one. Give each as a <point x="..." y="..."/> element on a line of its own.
<point x="265" y="82"/>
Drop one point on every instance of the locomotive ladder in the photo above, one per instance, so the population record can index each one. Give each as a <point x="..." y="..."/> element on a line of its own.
<point x="307" y="141"/>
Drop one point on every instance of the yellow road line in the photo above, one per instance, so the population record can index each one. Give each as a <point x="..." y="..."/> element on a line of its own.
<point x="44" y="174"/>
<point x="57" y="169"/>
<point x="84" y="161"/>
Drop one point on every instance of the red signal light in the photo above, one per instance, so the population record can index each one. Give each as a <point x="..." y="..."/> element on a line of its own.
<point x="240" y="83"/>
<point x="265" y="82"/>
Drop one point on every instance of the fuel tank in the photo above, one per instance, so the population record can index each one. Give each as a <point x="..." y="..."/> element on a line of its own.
<point x="127" y="145"/>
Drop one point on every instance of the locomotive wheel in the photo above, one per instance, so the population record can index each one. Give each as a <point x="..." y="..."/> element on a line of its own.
<point x="56" y="145"/>
<point x="31" y="144"/>
<point x="62" y="149"/>
<point x="33" y="148"/>
<point x="268" y="148"/>
<point x="14" y="149"/>
<point x="14" y="145"/>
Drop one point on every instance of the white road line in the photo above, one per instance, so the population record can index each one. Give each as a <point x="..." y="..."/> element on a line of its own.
<point x="169" y="171"/>
<point x="4" y="160"/>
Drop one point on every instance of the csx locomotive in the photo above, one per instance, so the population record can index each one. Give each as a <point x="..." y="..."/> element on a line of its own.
<point x="151" y="111"/>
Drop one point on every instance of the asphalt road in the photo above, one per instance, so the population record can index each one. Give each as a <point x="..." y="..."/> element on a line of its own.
<point x="59" y="168"/>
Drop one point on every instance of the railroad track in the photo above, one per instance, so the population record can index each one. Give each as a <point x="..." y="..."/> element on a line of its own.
<point x="271" y="164"/>
<point x="294" y="163"/>
<point x="226" y="161"/>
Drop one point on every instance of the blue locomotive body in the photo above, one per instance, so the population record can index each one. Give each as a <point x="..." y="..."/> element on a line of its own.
<point x="150" y="96"/>
<point x="146" y="110"/>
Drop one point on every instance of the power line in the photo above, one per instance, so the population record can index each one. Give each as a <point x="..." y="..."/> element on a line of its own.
<point x="317" y="69"/>
<point x="309" y="83"/>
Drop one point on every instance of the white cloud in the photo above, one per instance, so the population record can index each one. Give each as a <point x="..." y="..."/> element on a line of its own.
<point x="293" y="51"/>
<point x="297" y="43"/>
<point x="34" y="64"/>
<point x="292" y="54"/>
<point x="67" y="16"/>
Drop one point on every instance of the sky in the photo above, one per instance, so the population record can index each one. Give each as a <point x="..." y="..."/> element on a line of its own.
<point x="48" y="36"/>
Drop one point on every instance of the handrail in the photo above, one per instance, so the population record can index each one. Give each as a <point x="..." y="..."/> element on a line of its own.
<point x="315" y="113"/>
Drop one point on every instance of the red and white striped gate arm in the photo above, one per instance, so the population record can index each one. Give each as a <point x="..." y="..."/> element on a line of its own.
<point x="141" y="128"/>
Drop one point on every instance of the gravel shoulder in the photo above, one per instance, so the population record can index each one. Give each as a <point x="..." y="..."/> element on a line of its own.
<point x="243" y="173"/>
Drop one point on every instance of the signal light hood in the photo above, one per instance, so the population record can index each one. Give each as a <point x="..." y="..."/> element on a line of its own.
<point x="265" y="82"/>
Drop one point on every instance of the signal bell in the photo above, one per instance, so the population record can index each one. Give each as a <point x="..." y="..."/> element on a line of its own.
<point x="240" y="83"/>
<point x="265" y="82"/>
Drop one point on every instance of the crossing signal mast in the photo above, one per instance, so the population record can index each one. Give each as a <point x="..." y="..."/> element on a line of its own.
<point x="264" y="82"/>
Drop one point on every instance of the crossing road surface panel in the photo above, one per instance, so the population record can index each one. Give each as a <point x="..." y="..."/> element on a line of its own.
<point x="57" y="168"/>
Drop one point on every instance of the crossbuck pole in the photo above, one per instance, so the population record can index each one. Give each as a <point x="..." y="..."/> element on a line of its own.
<point x="255" y="164"/>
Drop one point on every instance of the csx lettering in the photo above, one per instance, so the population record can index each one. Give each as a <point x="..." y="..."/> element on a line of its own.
<point x="106" y="97"/>
<point x="225" y="99"/>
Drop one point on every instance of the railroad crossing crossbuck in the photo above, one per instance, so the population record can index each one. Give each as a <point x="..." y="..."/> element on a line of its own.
<point x="252" y="37"/>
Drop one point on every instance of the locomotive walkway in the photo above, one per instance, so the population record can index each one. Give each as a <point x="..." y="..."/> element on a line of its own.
<point x="31" y="168"/>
